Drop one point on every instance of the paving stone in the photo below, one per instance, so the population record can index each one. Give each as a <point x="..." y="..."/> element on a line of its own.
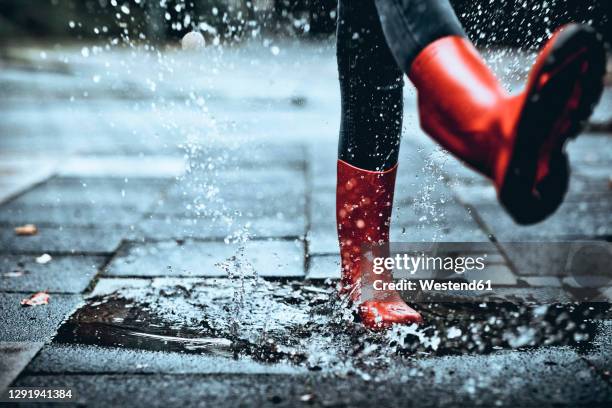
<point x="37" y="323"/>
<point x="448" y="222"/>
<point x="591" y="186"/>
<point x="581" y="189"/>
<point x="167" y="227"/>
<point x="589" y="148"/>
<point x="137" y="193"/>
<point x="323" y="164"/>
<point x="14" y="356"/>
<point x="105" y="286"/>
<point x="542" y="377"/>
<point x="420" y="185"/>
<point x="498" y="274"/>
<point x="198" y="258"/>
<point x="323" y="209"/>
<point x="572" y="220"/>
<point x="257" y="155"/>
<point x="323" y="241"/>
<point x="592" y="170"/>
<point x="69" y="214"/>
<point x="545" y="378"/>
<point x="539" y="281"/>
<point x="280" y="207"/>
<point x="123" y="166"/>
<point x="475" y="193"/>
<point x="541" y="295"/>
<point x="324" y="267"/>
<point x="582" y="259"/>
<point x="595" y="282"/>
<point x="602" y="294"/>
<point x="322" y="233"/>
<point x="69" y="358"/>
<point x="62" y="239"/>
<point x="63" y="274"/>
<point x="289" y="179"/>
<point x="443" y="231"/>
<point x="252" y="193"/>
<point x="21" y="174"/>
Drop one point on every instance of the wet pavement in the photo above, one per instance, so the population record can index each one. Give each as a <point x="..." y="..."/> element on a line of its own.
<point x="187" y="205"/>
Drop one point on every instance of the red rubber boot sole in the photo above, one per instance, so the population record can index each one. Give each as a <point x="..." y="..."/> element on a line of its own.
<point x="561" y="95"/>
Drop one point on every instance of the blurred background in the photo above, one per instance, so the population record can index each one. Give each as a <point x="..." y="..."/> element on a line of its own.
<point x="108" y="77"/>
<point x="88" y="78"/>
<point x="507" y="22"/>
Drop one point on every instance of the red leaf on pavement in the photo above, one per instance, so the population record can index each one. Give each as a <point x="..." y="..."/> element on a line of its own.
<point x="37" y="299"/>
<point x="25" y="230"/>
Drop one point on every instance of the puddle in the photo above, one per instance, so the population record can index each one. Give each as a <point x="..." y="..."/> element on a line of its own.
<point x="305" y="324"/>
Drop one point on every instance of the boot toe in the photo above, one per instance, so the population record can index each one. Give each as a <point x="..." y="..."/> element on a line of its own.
<point x="378" y="315"/>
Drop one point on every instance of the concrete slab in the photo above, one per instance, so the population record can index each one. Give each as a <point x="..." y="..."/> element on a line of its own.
<point x="69" y="359"/>
<point x="18" y="173"/>
<point x="498" y="274"/>
<point x="199" y="258"/>
<point x="546" y="378"/>
<point x="324" y="267"/>
<point x="159" y="228"/>
<point x="14" y="356"/>
<point x="123" y="166"/>
<point x="67" y="215"/>
<point x="63" y="274"/>
<point x="137" y="193"/>
<point x="78" y="240"/>
<point x="541" y="281"/>
<point x="37" y="323"/>
<point x="571" y="221"/>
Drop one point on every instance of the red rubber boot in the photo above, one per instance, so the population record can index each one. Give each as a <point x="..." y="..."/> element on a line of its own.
<point x="517" y="141"/>
<point x="364" y="200"/>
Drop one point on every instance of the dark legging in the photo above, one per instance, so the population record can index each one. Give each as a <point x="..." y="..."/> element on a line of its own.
<point x="377" y="40"/>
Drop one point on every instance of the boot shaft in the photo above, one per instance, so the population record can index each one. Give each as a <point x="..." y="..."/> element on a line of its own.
<point x="364" y="202"/>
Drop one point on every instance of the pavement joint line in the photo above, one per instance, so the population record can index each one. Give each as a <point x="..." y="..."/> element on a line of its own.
<point x="94" y="280"/>
<point x="482" y="224"/>
<point x="471" y="210"/>
<point x="308" y="181"/>
<point x="72" y="225"/>
<point x="54" y="225"/>
<point x="20" y="292"/>
<point x="55" y="253"/>
<point x="150" y="374"/>
<point x="281" y="279"/>
<point x="74" y="309"/>
<point x="289" y="238"/>
<point x="26" y="189"/>
<point x="4" y="384"/>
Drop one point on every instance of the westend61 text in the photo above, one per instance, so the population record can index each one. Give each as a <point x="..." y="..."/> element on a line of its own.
<point x="432" y="285"/>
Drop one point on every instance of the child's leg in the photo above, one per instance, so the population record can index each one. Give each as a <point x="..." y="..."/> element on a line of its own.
<point x="371" y="89"/>
<point x="371" y="92"/>
<point x="410" y="25"/>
